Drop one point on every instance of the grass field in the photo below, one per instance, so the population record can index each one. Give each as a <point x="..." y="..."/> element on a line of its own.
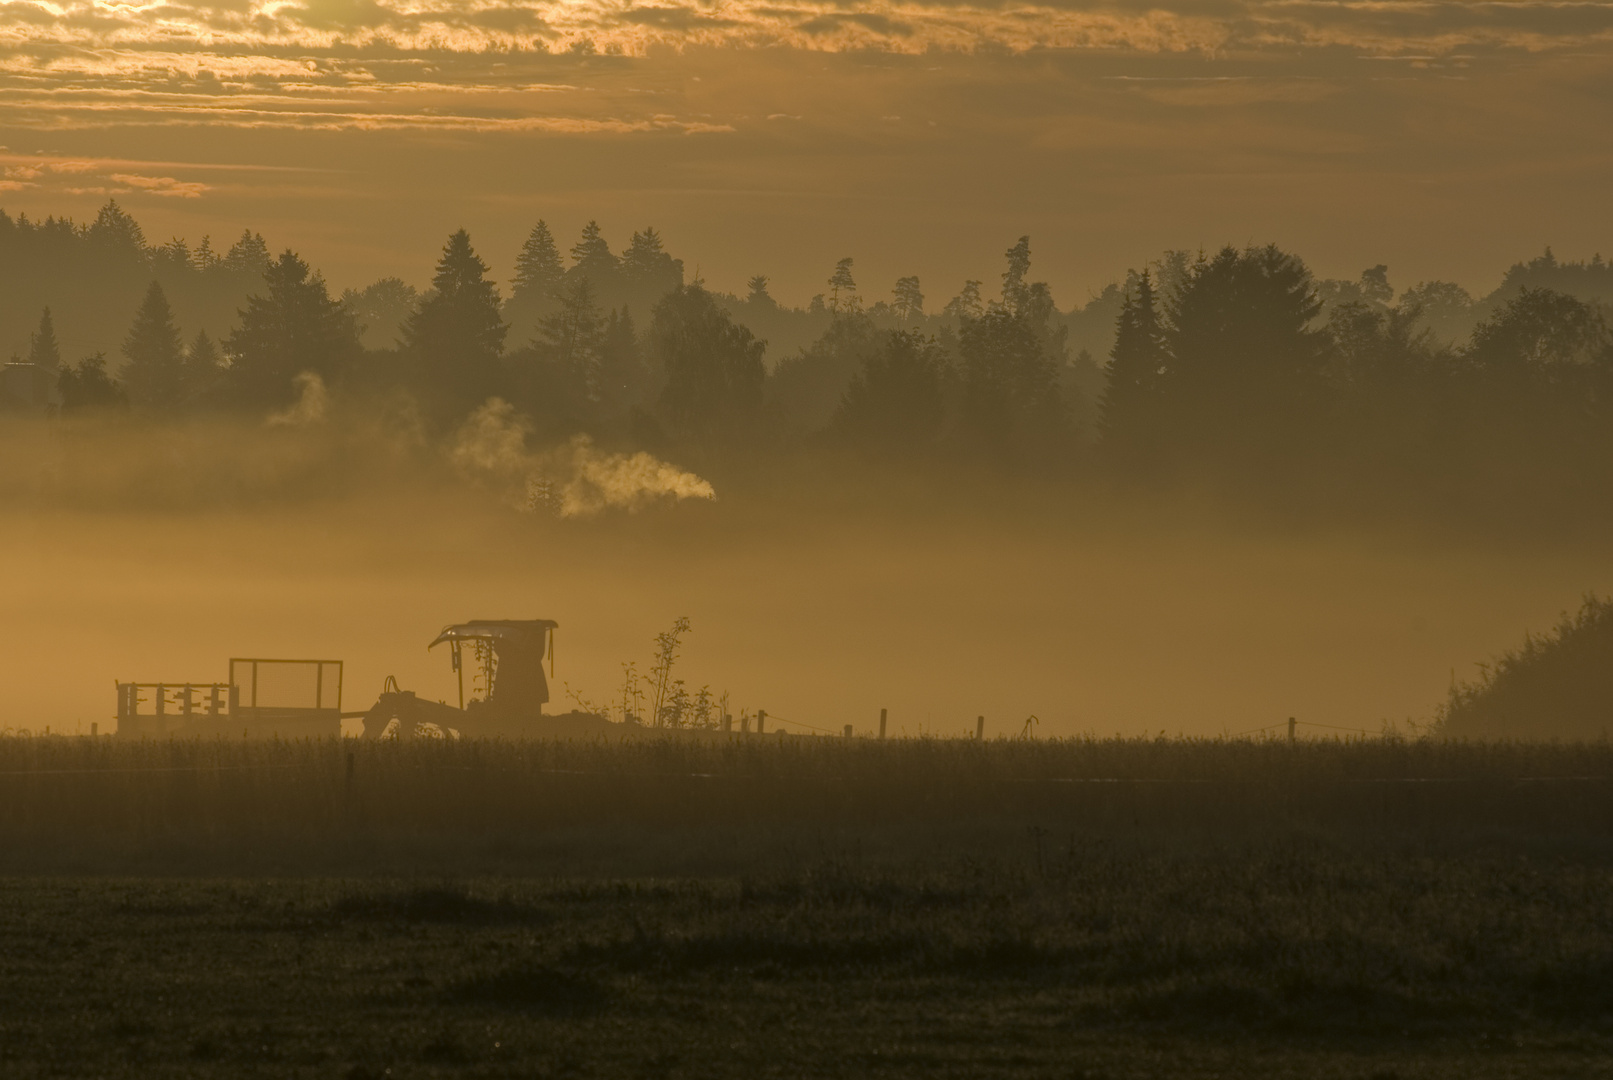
<point x="806" y="907"/>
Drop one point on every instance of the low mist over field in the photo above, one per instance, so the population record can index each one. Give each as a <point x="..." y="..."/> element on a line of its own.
<point x="821" y="601"/>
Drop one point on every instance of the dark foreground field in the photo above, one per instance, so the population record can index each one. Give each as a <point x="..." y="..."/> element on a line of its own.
<point x="797" y="908"/>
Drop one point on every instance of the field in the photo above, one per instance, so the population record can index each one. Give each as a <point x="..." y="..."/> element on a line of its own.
<point x="806" y="907"/>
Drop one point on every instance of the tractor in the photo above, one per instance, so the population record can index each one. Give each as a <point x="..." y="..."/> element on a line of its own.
<point x="508" y="688"/>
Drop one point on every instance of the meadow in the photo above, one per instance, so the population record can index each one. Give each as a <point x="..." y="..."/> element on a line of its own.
<point x="781" y="906"/>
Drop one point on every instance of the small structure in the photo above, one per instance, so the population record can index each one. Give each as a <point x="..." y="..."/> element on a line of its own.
<point x="264" y="698"/>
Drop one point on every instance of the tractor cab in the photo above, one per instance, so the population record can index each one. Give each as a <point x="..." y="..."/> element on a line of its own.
<point x="506" y="657"/>
<point x="507" y="689"/>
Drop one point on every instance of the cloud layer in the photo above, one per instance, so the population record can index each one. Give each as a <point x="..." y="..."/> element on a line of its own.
<point x="778" y="136"/>
<point x="517" y="66"/>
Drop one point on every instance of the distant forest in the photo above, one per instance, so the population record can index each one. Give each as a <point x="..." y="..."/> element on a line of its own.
<point x="1233" y="367"/>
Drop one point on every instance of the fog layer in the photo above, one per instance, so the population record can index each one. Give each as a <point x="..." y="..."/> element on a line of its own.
<point x="820" y="605"/>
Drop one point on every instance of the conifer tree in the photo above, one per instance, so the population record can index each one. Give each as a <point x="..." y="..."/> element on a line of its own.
<point x="1245" y="375"/>
<point x="293" y="326"/>
<point x="909" y="301"/>
<point x="573" y="340"/>
<point x="758" y="291"/>
<point x="155" y="373"/>
<point x="623" y="375"/>
<point x="457" y="335"/>
<point x="591" y="255"/>
<point x="87" y="387"/>
<point x="248" y="255"/>
<point x="1016" y="293"/>
<point x="967" y="304"/>
<point x="115" y="232"/>
<point x="647" y="272"/>
<point x="644" y="256"/>
<point x="843" y="298"/>
<point x="42" y="349"/>
<point x="203" y="366"/>
<point x="713" y="368"/>
<point x="538" y="272"/>
<point x="539" y="281"/>
<point x="1136" y="367"/>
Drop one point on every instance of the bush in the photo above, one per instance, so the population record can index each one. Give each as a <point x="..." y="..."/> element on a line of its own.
<point x="1555" y="685"/>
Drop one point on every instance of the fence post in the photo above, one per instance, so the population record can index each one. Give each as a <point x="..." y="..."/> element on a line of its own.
<point x="744" y="723"/>
<point x="882" y="723"/>
<point x="980" y="728"/>
<point x="1290" y="729"/>
<point x="848" y="731"/>
<point x="761" y="721"/>
<point x="95" y="729"/>
<point x="727" y="722"/>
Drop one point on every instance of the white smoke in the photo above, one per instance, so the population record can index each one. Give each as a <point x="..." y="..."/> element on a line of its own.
<point x="576" y="480"/>
<point x="312" y="400"/>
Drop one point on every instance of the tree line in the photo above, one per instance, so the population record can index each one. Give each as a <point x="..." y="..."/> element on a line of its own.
<point x="1235" y="367"/>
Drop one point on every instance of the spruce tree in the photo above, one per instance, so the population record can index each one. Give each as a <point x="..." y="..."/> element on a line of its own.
<point x="643" y="257"/>
<point x="538" y="272"/>
<point x="647" y="272"/>
<point x="247" y="256"/>
<point x="292" y="327"/>
<point x="88" y="388"/>
<point x="1136" y="367"/>
<point x="116" y="233"/>
<point x="623" y="375"/>
<point x="42" y="349"/>
<point x="591" y="255"/>
<point x="457" y="336"/>
<point x="539" y="280"/>
<point x="155" y="373"/>
<point x="1246" y="378"/>
<point x="758" y="292"/>
<point x="573" y="340"/>
<point x="712" y="366"/>
<point x="203" y="366"/>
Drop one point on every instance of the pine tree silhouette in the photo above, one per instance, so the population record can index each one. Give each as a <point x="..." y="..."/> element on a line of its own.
<point x="538" y="272"/>
<point x="291" y="327"/>
<point x="573" y="339"/>
<point x="155" y="373"/>
<point x="1136" y="367"/>
<point x="843" y="298"/>
<point x="457" y="336"/>
<point x="42" y="349"/>
<point x="591" y="255"/>
<point x="909" y="301"/>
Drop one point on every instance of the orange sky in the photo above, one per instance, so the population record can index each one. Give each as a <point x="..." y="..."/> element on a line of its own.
<point x="1447" y="139"/>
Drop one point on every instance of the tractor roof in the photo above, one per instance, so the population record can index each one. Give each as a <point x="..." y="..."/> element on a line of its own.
<point x="494" y="630"/>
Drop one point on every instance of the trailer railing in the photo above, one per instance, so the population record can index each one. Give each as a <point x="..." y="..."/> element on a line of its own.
<point x="155" y="707"/>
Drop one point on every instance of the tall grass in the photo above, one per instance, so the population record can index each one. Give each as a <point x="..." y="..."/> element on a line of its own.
<point x="684" y="805"/>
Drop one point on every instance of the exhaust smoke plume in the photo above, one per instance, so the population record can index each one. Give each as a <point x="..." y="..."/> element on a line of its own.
<point x="576" y="480"/>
